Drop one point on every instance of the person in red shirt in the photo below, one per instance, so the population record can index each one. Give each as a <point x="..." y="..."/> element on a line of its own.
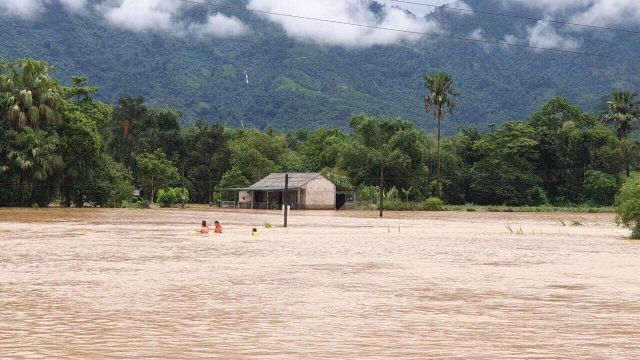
<point x="218" y="227"/>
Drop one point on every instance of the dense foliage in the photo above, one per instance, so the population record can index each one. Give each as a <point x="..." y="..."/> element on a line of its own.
<point x="97" y="154"/>
<point x="294" y="84"/>
<point x="628" y="205"/>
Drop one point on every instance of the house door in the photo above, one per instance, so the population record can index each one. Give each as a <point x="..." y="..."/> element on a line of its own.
<point x="341" y="199"/>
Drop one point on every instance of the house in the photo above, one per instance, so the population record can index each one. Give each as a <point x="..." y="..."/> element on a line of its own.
<point x="306" y="191"/>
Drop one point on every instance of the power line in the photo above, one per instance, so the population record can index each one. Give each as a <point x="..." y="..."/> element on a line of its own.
<point x="453" y="37"/>
<point x="453" y="8"/>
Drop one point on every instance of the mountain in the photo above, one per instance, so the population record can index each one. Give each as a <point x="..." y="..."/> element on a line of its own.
<point x="295" y="84"/>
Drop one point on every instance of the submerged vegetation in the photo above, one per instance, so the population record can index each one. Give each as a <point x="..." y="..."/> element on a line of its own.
<point x="57" y="144"/>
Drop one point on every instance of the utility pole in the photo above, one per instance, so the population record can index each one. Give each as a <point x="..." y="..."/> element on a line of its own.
<point x="182" y="199"/>
<point x="381" y="190"/>
<point x="284" y="199"/>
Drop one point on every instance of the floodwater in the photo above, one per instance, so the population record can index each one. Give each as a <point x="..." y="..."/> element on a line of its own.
<point x="124" y="284"/>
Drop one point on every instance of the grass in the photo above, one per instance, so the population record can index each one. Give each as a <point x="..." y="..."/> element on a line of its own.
<point x="417" y="206"/>
<point x="528" y="209"/>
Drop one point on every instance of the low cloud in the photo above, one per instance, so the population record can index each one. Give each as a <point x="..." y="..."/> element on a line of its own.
<point x="478" y="34"/>
<point x="544" y="35"/>
<point x="143" y="15"/>
<point x="346" y="11"/>
<point x="30" y="9"/>
<point x="136" y="15"/>
<point x="591" y="12"/>
<point x="221" y="25"/>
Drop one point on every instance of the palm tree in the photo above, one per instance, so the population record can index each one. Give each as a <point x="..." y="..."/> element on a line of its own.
<point x="29" y="95"/>
<point x="623" y="112"/>
<point x="35" y="155"/>
<point x="130" y="111"/>
<point x="440" y="95"/>
<point x="129" y="116"/>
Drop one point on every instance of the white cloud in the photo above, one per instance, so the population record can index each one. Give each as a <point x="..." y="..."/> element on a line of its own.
<point x="221" y="25"/>
<point x="510" y="39"/>
<point x="347" y="11"/>
<point x="135" y="15"/>
<point x="478" y="34"/>
<point x="143" y="15"/>
<point x="544" y="34"/>
<point x="162" y="16"/>
<point x="29" y="9"/>
<point x="591" y="12"/>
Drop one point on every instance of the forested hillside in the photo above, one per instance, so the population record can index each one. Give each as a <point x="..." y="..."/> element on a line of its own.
<point x="294" y="84"/>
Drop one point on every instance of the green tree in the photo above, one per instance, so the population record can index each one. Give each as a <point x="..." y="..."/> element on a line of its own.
<point x="389" y="143"/>
<point x="504" y="174"/>
<point x="81" y="89"/>
<point x="257" y="154"/>
<point x="622" y="112"/>
<point x="230" y="180"/>
<point x="114" y="183"/>
<point x="156" y="171"/>
<point x="28" y="96"/>
<point x="559" y="126"/>
<point x="600" y="188"/>
<point x="81" y="149"/>
<point x="35" y="158"/>
<point x="128" y="116"/>
<point x="440" y="95"/>
<point x="628" y="205"/>
<point x="207" y="158"/>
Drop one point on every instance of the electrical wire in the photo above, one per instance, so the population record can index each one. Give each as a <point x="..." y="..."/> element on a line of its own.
<point x="436" y="35"/>
<point x="553" y="21"/>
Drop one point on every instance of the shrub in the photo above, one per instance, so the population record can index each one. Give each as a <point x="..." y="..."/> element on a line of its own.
<point x="628" y="205"/>
<point x="393" y="204"/>
<point x="537" y="196"/>
<point x="140" y="204"/>
<point x="433" y="204"/>
<point x="600" y="188"/>
<point x="172" y="196"/>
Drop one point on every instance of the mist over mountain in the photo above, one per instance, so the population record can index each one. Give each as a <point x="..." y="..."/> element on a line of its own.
<point x="223" y="63"/>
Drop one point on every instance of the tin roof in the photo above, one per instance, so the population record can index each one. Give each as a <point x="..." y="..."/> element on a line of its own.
<point x="275" y="182"/>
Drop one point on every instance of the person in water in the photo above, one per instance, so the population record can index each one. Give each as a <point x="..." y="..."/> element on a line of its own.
<point x="204" y="229"/>
<point x="218" y="228"/>
<point x="255" y="233"/>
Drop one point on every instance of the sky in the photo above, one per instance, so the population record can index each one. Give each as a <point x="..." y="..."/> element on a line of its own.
<point x="162" y="16"/>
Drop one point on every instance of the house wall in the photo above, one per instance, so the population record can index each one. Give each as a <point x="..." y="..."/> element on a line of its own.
<point x="245" y="197"/>
<point x="319" y="194"/>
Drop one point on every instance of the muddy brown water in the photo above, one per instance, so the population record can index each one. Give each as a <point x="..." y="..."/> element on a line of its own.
<point x="124" y="284"/>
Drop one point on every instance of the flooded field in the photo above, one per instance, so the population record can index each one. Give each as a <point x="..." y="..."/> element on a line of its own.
<point x="124" y="284"/>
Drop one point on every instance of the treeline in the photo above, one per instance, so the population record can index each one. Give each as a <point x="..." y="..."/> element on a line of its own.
<point x="58" y="144"/>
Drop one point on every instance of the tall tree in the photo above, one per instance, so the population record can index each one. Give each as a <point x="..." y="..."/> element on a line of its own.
<point x="29" y="96"/>
<point x="81" y="89"/>
<point x="440" y="95"/>
<point x="128" y="118"/>
<point x="35" y="156"/>
<point x="623" y="112"/>
<point x="156" y="171"/>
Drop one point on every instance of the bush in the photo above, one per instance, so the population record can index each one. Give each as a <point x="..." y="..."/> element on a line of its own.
<point x="433" y="204"/>
<point x="628" y="205"/>
<point x="140" y="204"/>
<point x="394" y="205"/>
<point x="600" y="188"/>
<point x="537" y="196"/>
<point x="172" y="196"/>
